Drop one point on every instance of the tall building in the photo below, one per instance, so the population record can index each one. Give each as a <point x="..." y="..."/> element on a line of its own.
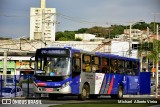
<point x="42" y="23"/>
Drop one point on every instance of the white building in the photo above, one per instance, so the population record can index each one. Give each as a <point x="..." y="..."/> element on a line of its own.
<point x="85" y="37"/>
<point x="42" y="23"/>
<point x="135" y="33"/>
<point x="121" y="48"/>
<point x="88" y="37"/>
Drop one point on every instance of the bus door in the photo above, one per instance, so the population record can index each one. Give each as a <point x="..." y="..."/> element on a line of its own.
<point x="76" y="71"/>
<point x="132" y="77"/>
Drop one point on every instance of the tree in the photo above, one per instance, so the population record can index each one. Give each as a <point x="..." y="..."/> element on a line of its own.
<point x="148" y="47"/>
<point x="63" y="39"/>
<point x="99" y="31"/>
<point x="82" y="30"/>
<point x="78" y="39"/>
<point x="154" y="53"/>
<point x="141" y="26"/>
<point x="59" y="35"/>
<point x="65" y="36"/>
<point x="70" y="35"/>
<point x="117" y="30"/>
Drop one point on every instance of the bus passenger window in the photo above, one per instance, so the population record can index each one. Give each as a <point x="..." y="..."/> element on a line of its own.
<point x="95" y="64"/>
<point x="86" y="66"/>
<point x="93" y="68"/>
<point x="83" y="67"/>
<point x="129" y="67"/>
<point x="135" y="68"/>
<point x="105" y="65"/>
<point x="114" y="66"/>
<point x="76" y="63"/>
<point x="120" y="67"/>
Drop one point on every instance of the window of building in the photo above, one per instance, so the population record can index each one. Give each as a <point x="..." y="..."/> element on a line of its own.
<point x="135" y="46"/>
<point x="8" y="72"/>
<point x="1" y="72"/>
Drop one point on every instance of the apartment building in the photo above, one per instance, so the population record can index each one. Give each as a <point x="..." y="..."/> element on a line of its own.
<point x="135" y="33"/>
<point x="42" y="23"/>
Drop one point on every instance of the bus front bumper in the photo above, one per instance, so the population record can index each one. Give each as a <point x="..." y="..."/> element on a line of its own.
<point x="60" y="90"/>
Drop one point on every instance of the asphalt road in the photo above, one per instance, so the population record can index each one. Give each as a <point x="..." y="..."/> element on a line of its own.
<point x="65" y="100"/>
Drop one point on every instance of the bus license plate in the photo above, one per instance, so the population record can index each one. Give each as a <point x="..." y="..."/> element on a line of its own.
<point x="49" y="89"/>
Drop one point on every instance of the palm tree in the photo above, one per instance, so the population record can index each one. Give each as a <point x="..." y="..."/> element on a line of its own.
<point x="154" y="55"/>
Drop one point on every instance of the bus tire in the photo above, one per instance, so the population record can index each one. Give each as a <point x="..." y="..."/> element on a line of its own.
<point x="52" y="96"/>
<point x="120" y="92"/>
<point x="85" y="92"/>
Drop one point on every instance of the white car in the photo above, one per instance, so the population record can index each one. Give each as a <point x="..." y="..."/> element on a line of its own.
<point x="11" y="92"/>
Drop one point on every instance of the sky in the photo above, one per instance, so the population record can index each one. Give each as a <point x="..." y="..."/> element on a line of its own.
<point x="76" y="14"/>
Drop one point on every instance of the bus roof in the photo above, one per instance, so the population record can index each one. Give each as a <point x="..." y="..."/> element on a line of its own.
<point x="73" y="50"/>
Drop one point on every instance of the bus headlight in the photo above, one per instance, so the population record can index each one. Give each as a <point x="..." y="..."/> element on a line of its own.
<point x="65" y="84"/>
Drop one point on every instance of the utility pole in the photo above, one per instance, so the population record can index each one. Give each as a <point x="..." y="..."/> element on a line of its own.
<point x="45" y="22"/>
<point x="154" y="24"/>
<point x="148" y="48"/>
<point x="43" y="25"/>
<point x="130" y="40"/>
<point x="5" y="66"/>
<point x="157" y="65"/>
<point x="20" y="44"/>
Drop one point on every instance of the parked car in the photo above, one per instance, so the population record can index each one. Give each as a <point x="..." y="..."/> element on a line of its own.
<point x="11" y="81"/>
<point x="11" y="92"/>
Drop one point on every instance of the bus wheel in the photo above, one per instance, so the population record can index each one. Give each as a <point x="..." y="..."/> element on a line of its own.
<point x="85" y="92"/>
<point x="52" y="96"/>
<point x="120" y="92"/>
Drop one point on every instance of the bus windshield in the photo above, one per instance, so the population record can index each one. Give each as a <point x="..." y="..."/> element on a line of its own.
<point x="52" y="66"/>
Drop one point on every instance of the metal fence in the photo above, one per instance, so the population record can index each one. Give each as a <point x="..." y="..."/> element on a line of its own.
<point x="16" y="86"/>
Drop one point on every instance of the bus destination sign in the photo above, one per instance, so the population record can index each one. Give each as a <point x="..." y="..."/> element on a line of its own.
<point x="53" y="52"/>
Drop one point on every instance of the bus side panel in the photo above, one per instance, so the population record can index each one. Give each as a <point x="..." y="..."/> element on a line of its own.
<point x="75" y="85"/>
<point x="132" y="84"/>
<point x="105" y="84"/>
<point x="144" y="82"/>
<point x="118" y="80"/>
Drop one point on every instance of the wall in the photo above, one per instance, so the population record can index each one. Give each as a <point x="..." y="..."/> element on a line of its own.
<point x="10" y="67"/>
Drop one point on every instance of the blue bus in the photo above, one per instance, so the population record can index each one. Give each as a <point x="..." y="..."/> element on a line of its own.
<point x="69" y="71"/>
